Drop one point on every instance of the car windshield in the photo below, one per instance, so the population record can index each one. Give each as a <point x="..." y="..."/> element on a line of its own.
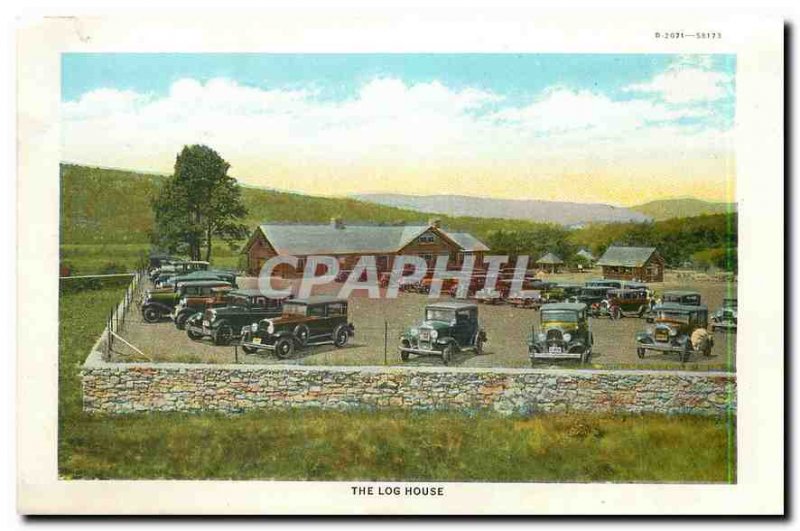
<point x="239" y="301"/>
<point x="549" y="316"/>
<point x="294" y="309"/>
<point x="439" y="314"/>
<point x="593" y="291"/>
<point x="681" y="317"/>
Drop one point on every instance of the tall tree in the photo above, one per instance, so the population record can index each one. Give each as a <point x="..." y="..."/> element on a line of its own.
<point x="200" y="201"/>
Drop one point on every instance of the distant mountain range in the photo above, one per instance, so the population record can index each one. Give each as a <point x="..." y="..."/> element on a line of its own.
<point x="559" y="212"/>
<point x="686" y="207"/>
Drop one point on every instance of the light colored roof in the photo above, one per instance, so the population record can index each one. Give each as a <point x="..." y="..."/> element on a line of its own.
<point x="586" y="254"/>
<point x="549" y="258"/>
<point x="467" y="241"/>
<point x="626" y="256"/>
<point x="320" y="239"/>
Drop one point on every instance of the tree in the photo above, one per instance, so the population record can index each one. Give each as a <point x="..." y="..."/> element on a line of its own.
<point x="198" y="202"/>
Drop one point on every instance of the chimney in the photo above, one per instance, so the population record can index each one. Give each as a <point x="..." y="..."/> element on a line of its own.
<point x="337" y="223"/>
<point x="435" y="222"/>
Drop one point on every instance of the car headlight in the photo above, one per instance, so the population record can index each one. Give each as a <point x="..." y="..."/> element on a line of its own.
<point x="254" y="327"/>
<point x="567" y="337"/>
<point x="673" y="332"/>
<point x="271" y="328"/>
<point x="541" y="336"/>
<point x="414" y="332"/>
<point x="434" y="334"/>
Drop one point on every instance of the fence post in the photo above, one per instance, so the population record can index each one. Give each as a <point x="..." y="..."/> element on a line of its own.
<point x="385" y="342"/>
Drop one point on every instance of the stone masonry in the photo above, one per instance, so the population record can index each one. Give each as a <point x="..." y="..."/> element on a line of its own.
<point x="132" y="387"/>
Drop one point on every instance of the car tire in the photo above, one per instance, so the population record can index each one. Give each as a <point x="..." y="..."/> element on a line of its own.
<point x="340" y="336"/>
<point x="641" y="312"/>
<point x="194" y="336"/>
<point x="404" y="355"/>
<point x="615" y="313"/>
<point x="249" y="350"/>
<point x="223" y="334"/>
<point x="479" y="345"/>
<point x="151" y="314"/>
<point x="301" y="333"/>
<point x="447" y="353"/>
<point x="284" y="348"/>
<point x="640" y="352"/>
<point x="180" y="320"/>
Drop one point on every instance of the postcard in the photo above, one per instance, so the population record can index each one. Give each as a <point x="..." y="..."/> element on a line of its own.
<point x="399" y="264"/>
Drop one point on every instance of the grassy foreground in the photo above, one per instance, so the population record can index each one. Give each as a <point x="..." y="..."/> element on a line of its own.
<point x="323" y="445"/>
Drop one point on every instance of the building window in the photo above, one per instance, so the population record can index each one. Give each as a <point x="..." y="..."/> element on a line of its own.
<point x="428" y="237"/>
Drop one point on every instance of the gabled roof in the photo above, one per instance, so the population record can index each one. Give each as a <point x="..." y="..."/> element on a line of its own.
<point x="626" y="256"/>
<point x="586" y="254"/>
<point x="321" y="239"/>
<point x="550" y="258"/>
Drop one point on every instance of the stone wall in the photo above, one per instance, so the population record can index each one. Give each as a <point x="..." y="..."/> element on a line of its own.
<point x="124" y="388"/>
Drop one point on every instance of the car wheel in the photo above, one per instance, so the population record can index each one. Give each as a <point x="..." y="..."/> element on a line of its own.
<point x="223" y="334"/>
<point x="641" y="312"/>
<point x="404" y="355"/>
<point x="616" y="313"/>
<point x="180" y="320"/>
<point x="340" y="337"/>
<point x="640" y="352"/>
<point x="194" y="336"/>
<point x="447" y="354"/>
<point x="151" y="314"/>
<point x="249" y="350"/>
<point x="301" y="334"/>
<point x="284" y="348"/>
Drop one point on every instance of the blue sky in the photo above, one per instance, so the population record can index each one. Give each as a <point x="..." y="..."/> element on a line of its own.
<point x="476" y="109"/>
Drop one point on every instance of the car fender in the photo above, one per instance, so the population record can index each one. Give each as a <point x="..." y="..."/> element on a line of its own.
<point x="155" y="304"/>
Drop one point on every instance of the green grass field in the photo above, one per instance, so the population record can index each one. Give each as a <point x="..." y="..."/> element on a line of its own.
<point x="324" y="445"/>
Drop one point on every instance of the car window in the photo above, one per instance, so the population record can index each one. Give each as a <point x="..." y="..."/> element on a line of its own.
<point x="337" y="308"/>
<point x="435" y="314"/>
<point x="316" y="311"/>
<point x="559" y="315"/>
<point x="462" y="316"/>
<point x="294" y="309"/>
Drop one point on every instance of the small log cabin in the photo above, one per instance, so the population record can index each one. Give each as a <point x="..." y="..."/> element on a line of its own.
<point x="642" y="264"/>
<point x="349" y="242"/>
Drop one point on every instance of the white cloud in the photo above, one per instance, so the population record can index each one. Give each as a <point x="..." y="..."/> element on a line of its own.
<point x="389" y="126"/>
<point x="688" y="80"/>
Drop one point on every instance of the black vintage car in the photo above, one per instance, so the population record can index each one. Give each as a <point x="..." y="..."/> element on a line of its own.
<point x="303" y="323"/>
<point x="159" y="303"/>
<point x="564" y="333"/>
<point x="679" y="328"/>
<point x="222" y="325"/>
<point x="727" y="317"/>
<point x="592" y="296"/>
<point x="447" y="328"/>
<point x="684" y="297"/>
<point x="604" y="283"/>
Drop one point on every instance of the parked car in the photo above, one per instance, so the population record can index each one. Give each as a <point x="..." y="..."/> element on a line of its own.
<point x="564" y="333"/>
<point x="158" y="304"/>
<point x="303" y="323"/>
<point x="623" y="302"/>
<point x="222" y="325"/>
<point x="531" y="299"/>
<point x="726" y="317"/>
<point x="178" y="267"/>
<point x="604" y="283"/>
<point x="211" y="274"/>
<point x="679" y="328"/>
<point x="490" y="296"/>
<point x="448" y="327"/>
<point x="592" y="296"/>
<point x="192" y="304"/>
<point x="684" y="297"/>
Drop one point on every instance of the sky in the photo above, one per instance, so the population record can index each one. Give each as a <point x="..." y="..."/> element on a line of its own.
<point x="618" y="129"/>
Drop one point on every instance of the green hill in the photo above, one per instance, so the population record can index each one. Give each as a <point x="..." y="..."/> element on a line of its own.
<point x="682" y="208"/>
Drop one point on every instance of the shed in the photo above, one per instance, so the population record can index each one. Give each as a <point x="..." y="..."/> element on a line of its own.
<point x="643" y="264"/>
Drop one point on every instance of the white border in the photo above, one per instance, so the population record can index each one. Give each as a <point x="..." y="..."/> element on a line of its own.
<point x="758" y="44"/>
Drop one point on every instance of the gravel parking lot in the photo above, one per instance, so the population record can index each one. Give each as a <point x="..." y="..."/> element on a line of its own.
<point x="379" y="321"/>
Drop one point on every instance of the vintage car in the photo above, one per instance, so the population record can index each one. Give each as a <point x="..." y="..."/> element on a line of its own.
<point x="591" y="295"/>
<point x="564" y="333"/>
<point x="179" y="267"/>
<point x="212" y="274"/>
<point x="303" y="323"/>
<point x="158" y="304"/>
<point x="476" y="283"/>
<point x="563" y="291"/>
<point x="604" y="283"/>
<point x="685" y="297"/>
<point x="679" y="328"/>
<point x="448" y="327"/>
<point x="531" y="299"/>
<point x="224" y="324"/>
<point x="490" y="296"/>
<point x="192" y="304"/>
<point x="726" y="317"/>
<point x="622" y="303"/>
